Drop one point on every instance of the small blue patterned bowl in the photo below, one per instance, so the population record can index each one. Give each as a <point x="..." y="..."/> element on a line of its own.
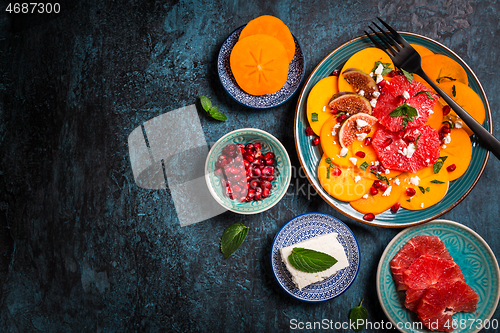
<point x="295" y="77"/>
<point x="282" y="174"/>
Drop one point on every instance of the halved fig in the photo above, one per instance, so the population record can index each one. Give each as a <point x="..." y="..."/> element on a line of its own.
<point x="355" y="127"/>
<point x="350" y="103"/>
<point x="359" y="80"/>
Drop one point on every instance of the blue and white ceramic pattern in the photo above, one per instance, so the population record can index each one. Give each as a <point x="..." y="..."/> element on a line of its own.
<point x="470" y="252"/>
<point x="295" y="76"/>
<point x="304" y="227"/>
<point x="283" y="170"/>
<point x="309" y="156"/>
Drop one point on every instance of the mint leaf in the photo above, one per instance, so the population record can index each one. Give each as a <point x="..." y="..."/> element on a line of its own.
<point x="364" y="166"/>
<point x="454" y="91"/>
<point x="416" y="140"/>
<point x="407" y="75"/>
<point x="435" y="181"/>
<point x="218" y="115"/>
<point x="380" y="177"/>
<point x="232" y="238"/>
<point x="428" y="189"/>
<point x="429" y="96"/>
<point x="407" y="112"/>
<point x="397" y="112"/>
<point x="314" y="117"/>
<point x="206" y="104"/>
<point x="439" y="79"/>
<point x="387" y="67"/>
<point x="328" y="160"/>
<point x="310" y="261"/>
<point x="358" y="316"/>
<point x="439" y="164"/>
<point x="421" y="189"/>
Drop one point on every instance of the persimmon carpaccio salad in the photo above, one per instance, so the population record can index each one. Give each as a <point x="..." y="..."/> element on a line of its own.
<point x="388" y="140"/>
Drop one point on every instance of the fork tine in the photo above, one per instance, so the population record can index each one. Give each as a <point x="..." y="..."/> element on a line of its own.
<point x="377" y="44"/>
<point x="397" y="36"/>
<point x="387" y="45"/>
<point x="391" y="40"/>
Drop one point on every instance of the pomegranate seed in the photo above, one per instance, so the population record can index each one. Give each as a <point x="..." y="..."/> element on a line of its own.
<point x="369" y="217"/>
<point x="336" y="172"/>
<point x="410" y="191"/>
<point x="400" y="72"/>
<point x="249" y="158"/>
<point x="270" y="178"/>
<point x="268" y="171"/>
<point x="392" y="73"/>
<point x="372" y="168"/>
<point x="446" y="110"/>
<point x="401" y="134"/>
<point x="242" y="199"/>
<point x="360" y="154"/>
<point x="261" y="166"/>
<point x="257" y="145"/>
<point x="258" y="154"/>
<point x="224" y="162"/>
<point x="249" y="147"/>
<point x="266" y="184"/>
<point x="222" y="157"/>
<point x="231" y="147"/>
<point x="336" y="72"/>
<point x="246" y="164"/>
<point x="382" y="92"/>
<point x="341" y="118"/>
<point x="315" y="142"/>
<point x="367" y="130"/>
<point x="309" y="131"/>
<point x="265" y="193"/>
<point x="334" y="111"/>
<point x="258" y="161"/>
<point x="445" y="129"/>
<point x="381" y="84"/>
<point x="409" y="139"/>
<point x="400" y="99"/>
<point x="268" y="155"/>
<point x="237" y="177"/>
<point x="258" y="197"/>
<point x="441" y="135"/>
<point x="269" y="161"/>
<point x="381" y="168"/>
<point x="251" y="193"/>
<point x="218" y="172"/>
<point x="236" y="188"/>
<point x="387" y="142"/>
<point x="256" y="172"/>
<point x="368" y="141"/>
<point x="377" y="184"/>
<point x="395" y="207"/>
<point x="383" y="187"/>
<point x="254" y="184"/>
<point x="451" y="168"/>
<point x="373" y="191"/>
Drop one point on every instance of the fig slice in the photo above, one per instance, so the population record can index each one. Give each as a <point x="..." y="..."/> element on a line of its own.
<point x="350" y="103"/>
<point x="355" y="127"/>
<point x="359" y="80"/>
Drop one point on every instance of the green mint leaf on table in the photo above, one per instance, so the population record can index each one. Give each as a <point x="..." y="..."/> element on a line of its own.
<point x="213" y="111"/>
<point x="310" y="261"/>
<point x="435" y="181"/>
<point x="439" y="79"/>
<point x="358" y="316"/>
<point x="314" y="117"/>
<point x="454" y="91"/>
<point x="232" y="238"/>
<point x="429" y="96"/>
<point x="364" y="166"/>
<point x="387" y="67"/>
<point x="407" y="75"/>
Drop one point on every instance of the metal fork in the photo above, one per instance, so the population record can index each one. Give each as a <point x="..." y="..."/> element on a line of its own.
<point x="404" y="56"/>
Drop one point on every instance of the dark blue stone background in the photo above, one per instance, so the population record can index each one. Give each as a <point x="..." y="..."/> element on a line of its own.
<point x="84" y="249"/>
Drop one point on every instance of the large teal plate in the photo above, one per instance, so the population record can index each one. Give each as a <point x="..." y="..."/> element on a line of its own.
<point x="470" y="252"/>
<point x="310" y="156"/>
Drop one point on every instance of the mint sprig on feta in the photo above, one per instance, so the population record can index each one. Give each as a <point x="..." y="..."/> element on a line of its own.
<point x="232" y="238"/>
<point x="310" y="261"/>
<point x="386" y="67"/>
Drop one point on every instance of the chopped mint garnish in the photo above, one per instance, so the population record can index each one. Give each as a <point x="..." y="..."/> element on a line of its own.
<point x="407" y="75"/>
<point x="435" y="181"/>
<point x="429" y="96"/>
<point x="407" y="112"/>
<point x="364" y="166"/>
<point x="387" y="67"/>
<point x="439" y="79"/>
<point x="454" y="91"/>
<point x="314" y="117"/>
<point x="439" y="164"/>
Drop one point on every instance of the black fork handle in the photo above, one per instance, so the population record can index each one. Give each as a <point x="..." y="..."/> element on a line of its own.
<point x="486" y="138"/>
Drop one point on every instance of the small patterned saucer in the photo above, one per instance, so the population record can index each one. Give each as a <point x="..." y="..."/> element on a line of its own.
<point x="295" y="76"/>
<point x="307" y="226"/>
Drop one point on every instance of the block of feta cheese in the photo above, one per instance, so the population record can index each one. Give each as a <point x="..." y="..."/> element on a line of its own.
<point x="328" y="244"/>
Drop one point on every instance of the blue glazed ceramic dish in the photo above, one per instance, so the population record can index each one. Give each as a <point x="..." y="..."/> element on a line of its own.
<point x="310" y="156"/>
<point x="469" y="251"/>
<point x="295" y="77"/>
<point x="308" y="226"/>
<point x="282" y="174"/>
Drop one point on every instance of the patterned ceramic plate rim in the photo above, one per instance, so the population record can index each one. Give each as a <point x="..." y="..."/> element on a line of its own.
<point x="297" y="67"/>
<point x="440" y="228"/>
<point x="459" y="188"/>
<point x="320" y="224"/>
<point x="282" y="180"/>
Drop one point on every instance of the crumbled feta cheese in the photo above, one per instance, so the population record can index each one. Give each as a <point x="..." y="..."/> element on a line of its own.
<point x="430" y="111"/>
<point x="387" y="171"/>
<point x="361" y="92"/>
<point x="408" y="152"/>
<point x="353" y="160"/>
<point x="415" y="180"/>
<point x="337" y="125"/>
<point x="334" y="132"/>
<point x="406" y="95"/>
<point x="380" y="78"/>
<point x="334" y="142"/>
<point x="447" y="138"/>
<point x="376" y="163"/>
<point x="376" y="94"/>
<point x="422" y="205"/>
<point x="443" y="146"/>
<point x="396" y="181"/>
<point x="458" y="124"/>
<point x="365" y="196"/>
<point x="379" y="69"/>
<point x="361" y="136"/>
<point x="373" y="102"/>
<point x="361" y="123"/>
<point x="387" y="192"/>
<point x="343" y="151"/>
<point x="388" y="148"/>
<point x="357" y="179"/>
<point x="427" y="161"/>
<point x="371" y="74"/>
<point x="324" y="108"/>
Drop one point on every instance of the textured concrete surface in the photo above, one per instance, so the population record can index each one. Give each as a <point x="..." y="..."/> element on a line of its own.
<point x="84" y="249"/>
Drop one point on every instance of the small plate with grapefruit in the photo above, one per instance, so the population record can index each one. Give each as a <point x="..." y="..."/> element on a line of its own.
<point x="379" y="145"/>
<point x="445" y="273"/>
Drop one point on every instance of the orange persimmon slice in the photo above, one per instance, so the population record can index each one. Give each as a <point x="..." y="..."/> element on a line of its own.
<point x="422" y="50"/>
<point x="430" y="190"/>
<point x="271" y="26"/>
<point x="259" y="64"/>
<point x="317" y="102"/>
<point x="458" y="152"/>
<point x="441" y="68"/>
<point x="379" y="202"/>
